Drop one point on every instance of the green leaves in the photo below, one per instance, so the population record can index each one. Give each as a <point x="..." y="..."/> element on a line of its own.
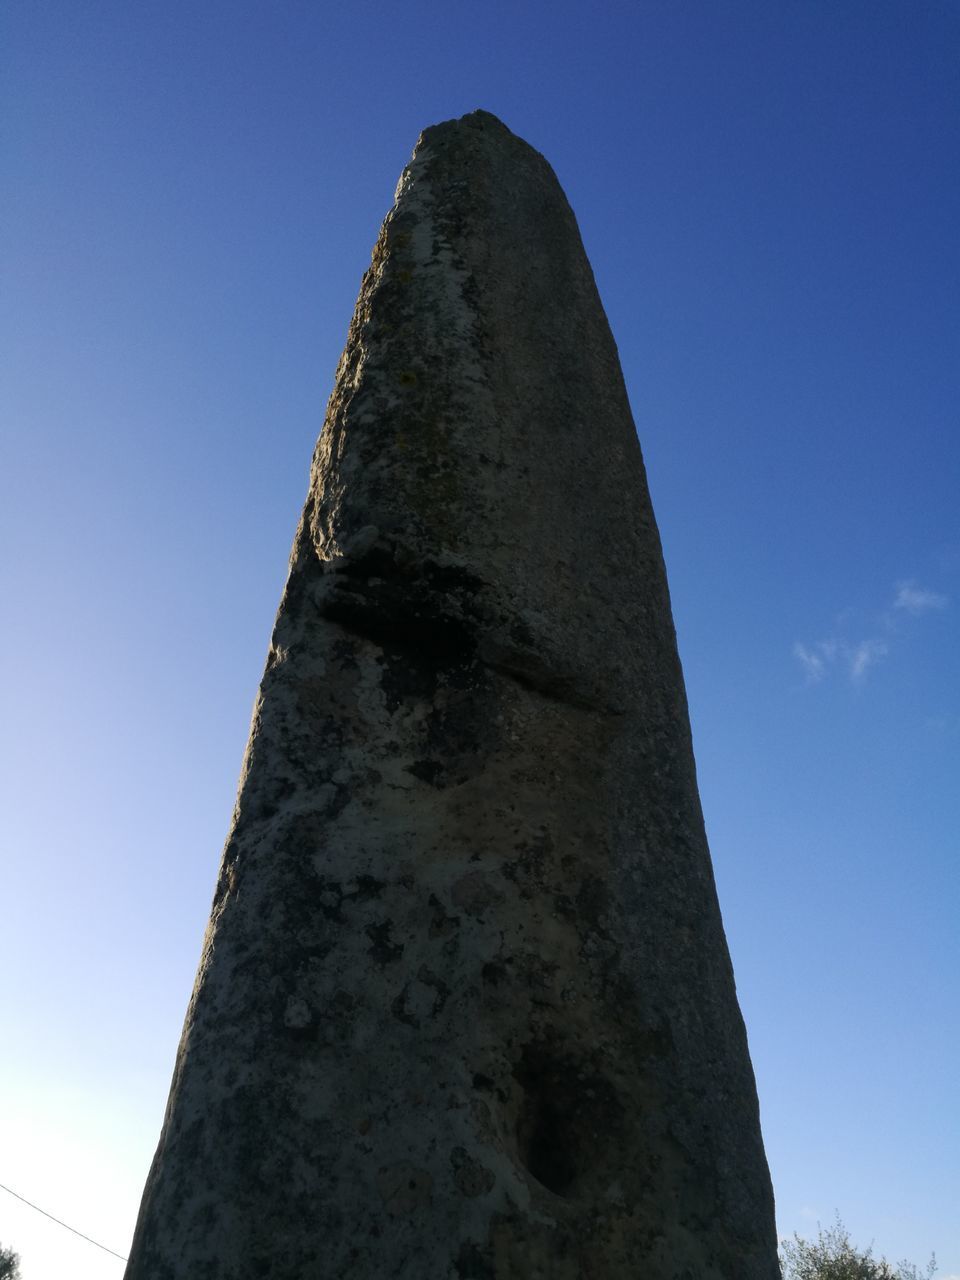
<point x="832" y="1256"/>
<point x="9" y="1264"/>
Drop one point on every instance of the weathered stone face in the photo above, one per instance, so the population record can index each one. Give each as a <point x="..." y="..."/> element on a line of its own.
<point x="465" y="1008"/>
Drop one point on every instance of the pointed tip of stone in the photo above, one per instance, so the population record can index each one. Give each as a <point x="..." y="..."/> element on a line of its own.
<point x="477" y="127"/>
<point x="482" y="119"/>
<point x="476" y="121"/>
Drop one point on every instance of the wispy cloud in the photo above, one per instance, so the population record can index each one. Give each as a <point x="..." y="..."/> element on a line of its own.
<point x="918" y="600"/>
<point x="858" y="657"/>
<point x="863" y="656"/>
<point x="811" y="661"/>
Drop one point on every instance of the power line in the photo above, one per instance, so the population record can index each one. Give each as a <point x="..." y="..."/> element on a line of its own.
<point x="62" y="1224"/>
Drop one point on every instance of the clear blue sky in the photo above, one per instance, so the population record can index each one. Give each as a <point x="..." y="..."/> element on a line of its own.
<point x="770" y="196"/>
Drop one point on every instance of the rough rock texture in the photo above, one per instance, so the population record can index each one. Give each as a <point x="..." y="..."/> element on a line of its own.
<point x="465" y="1008"/>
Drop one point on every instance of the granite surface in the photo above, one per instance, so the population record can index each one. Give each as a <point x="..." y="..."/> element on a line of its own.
<point x="465" y="1009"/>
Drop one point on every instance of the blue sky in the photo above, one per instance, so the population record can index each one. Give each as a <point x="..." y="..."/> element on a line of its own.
<point x="769" y="194"/>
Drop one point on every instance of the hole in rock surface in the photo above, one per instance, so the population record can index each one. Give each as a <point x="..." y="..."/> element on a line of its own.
<point x="417" y="610"/>
<point x="568" y="1117"/>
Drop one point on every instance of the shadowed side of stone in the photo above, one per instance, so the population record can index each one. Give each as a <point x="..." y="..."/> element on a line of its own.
<point x="465" y="1007"/>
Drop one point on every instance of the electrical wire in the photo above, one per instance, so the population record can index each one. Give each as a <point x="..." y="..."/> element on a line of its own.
<point x="88" y="1239"/>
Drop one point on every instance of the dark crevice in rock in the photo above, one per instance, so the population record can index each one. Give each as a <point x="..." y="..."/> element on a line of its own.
<point x="430" y="614"/>
<point x="564" y="1106"/>
<point x="430" y="771"/>
<point x="429" y="617"/>
<point x="556" y="688"/>
<point x="421" y="634"/>
<point x="419" y="614"/>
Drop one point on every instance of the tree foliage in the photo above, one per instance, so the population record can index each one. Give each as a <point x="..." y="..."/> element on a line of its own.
<point x="9" y="1264"/>
<point x="832" y="1256"/>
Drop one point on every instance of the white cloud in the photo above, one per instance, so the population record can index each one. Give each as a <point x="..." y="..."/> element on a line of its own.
<point x="858" y="658"/>
<point x="811" y="661"/>
<point x="863" y="656"/>
<point x="917" y="599"/>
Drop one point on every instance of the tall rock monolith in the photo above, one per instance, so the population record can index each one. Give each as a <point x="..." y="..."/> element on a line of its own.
<point x="465" y="1009"/>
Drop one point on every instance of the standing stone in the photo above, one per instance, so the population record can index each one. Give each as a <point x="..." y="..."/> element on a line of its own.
<point x="465" y="1009"/>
